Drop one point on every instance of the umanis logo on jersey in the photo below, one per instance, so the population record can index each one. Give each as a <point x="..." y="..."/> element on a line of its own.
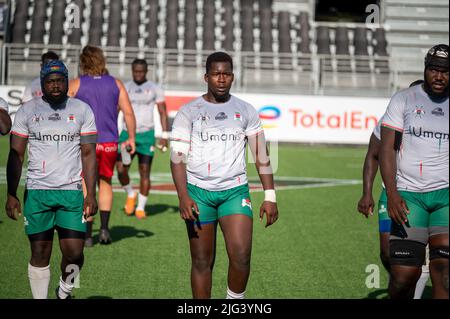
<point x="269" y="114"/>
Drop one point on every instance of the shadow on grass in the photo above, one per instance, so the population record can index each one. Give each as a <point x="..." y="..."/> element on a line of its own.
<point x="383" y="294"/>
<point x="123" y="232"/>
<point x="378" y="294"/>
<point x="160" y="208"/>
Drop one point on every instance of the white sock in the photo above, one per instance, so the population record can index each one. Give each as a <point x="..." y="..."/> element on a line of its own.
<point x="39" y="280"/>
<point x="129" y="190"/>
<point x="65" y="289"/>
<point x="142" y="201"/>
<point x="233" y="295"/>
<point x="421" y="283"/>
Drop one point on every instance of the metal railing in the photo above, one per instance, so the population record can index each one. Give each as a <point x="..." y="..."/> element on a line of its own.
<point x="294" y="73"/>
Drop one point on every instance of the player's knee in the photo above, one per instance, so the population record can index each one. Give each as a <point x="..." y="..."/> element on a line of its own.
<point x="74" y="257"/>
<point x="40" y="255"/>
<point x="406" y="253"/>
<point x="202" y="264"/>
<point x="240" y="258"/>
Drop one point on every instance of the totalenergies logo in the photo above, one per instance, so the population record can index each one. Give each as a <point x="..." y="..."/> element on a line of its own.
<point x="269" y="114"/>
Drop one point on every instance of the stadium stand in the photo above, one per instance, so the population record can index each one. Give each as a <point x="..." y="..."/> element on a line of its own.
<point x="278" y="45"/>
<point x="412" y="27"/>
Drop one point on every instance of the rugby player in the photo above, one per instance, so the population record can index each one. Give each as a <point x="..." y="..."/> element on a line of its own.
<point x="106" y="96"/>
<point x="61" y="133"/>
<point x="366" y="203"/>
<point x="33" y="89"/>
<point x="144" y="95"/>
<point x="5" y="120"/>
<point x="416" y="178"/>
<point x="208" y="142"/>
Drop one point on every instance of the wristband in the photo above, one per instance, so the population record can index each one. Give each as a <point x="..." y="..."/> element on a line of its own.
<point x="270" y="196"/>
<point x="165" y="135"/>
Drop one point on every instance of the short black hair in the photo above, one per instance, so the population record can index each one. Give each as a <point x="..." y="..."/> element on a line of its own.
<point x="218" y="57"/>
<point x="139" y="62"/>
<point x="49" y="55"/>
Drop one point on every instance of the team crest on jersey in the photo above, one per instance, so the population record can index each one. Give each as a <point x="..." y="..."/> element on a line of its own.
<point x="204" y="118"/>
<point x="247" y="202"/>
<point x="37" y="118"/>
<point x="54" y="117"/>
<point x="71" y="119"/>
<point x="438" y="111"/>
<point x="419" y="111"/>
<point x="237" y="116"/>
<point x="221" y="116"/>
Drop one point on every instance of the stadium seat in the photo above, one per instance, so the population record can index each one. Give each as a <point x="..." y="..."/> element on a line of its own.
<point x="115" y="20"/>
<point x="361" y="50"/>
<point x="323" y="48"/>
<point x="342" y="50"/>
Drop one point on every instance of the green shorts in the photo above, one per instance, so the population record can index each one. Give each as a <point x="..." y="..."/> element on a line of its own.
<point x="145" y="142"/>
<point x="215" y="205"/>
<point x="384" y="221"/>
<point x="427" y="209"/>
<point x="45" y="209"/>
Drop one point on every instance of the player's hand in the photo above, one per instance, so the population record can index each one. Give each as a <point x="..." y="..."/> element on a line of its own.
<point x="271" y="211"/>
<point x="397" y="208"/>
<point x="366" y="205"/>
<point x="131" y="143"/>
<point x="90" y="206"/>
<point x="163" y="145"/>
<point x="187" y="208"/>
<point x="12" y="207"/>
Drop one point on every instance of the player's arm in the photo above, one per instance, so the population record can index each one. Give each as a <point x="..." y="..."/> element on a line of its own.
<point x="18" y="145"/>
<point x="370" y="169"/>
<point x="5" y="122"/>
<point x="178" y="168"/>
<point x="260" y="152"/>
<point x="74" y="86"/>
<point x="179" y="150"/>
<point x="397" y="208"/>
<point x="162" y="109"/>
<point x="128" y="114"/>
<point x="89" y="164"/>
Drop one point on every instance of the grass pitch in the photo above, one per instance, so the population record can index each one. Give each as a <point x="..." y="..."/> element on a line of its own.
<point x="319" y="248"/>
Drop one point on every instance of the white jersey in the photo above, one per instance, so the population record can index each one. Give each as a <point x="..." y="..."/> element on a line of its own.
<point x="423" y="161"/>
<point x="377" y="130"/>
<point x="4" y="105"/>
<point x="217" y="135"/>
<point x="32" y="90"/>
<point x="143" y="98"/>
<point x="54" y="136"/>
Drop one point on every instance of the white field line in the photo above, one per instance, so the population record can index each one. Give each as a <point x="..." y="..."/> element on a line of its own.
<point x="165" y="178"/>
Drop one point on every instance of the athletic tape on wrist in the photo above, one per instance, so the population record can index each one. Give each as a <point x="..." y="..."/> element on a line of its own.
<point x="270" y="196"/>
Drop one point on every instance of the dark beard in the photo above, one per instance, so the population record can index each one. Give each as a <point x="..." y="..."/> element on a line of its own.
<point x="56" y="103"/>
<point x="222" y="98"/>
<point x="140" y="82"/>
<point x="434" y="95"/>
